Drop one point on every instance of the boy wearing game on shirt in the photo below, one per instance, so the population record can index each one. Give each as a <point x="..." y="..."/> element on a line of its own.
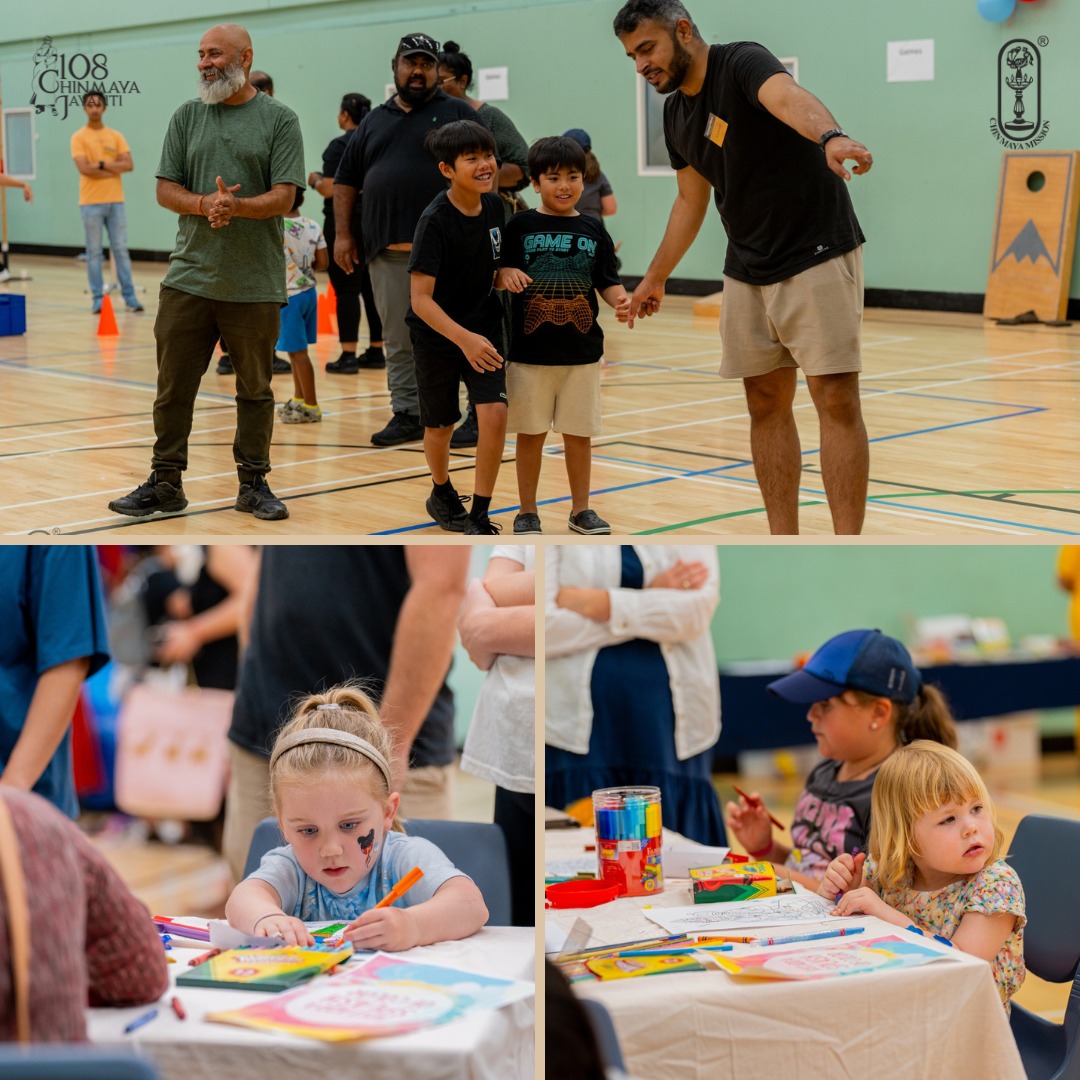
<point x="556" y="342"/>
<point x="454" y="319"/>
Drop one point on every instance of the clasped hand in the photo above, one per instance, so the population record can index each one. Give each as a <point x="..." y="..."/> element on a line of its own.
<point x="222" y="204"/>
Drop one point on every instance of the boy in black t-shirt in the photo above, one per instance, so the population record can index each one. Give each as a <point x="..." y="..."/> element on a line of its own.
<point x="454" y="319"/>
<point x="556" y="342"/>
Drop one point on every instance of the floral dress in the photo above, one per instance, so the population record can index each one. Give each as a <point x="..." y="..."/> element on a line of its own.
<point x="994" y="890"/>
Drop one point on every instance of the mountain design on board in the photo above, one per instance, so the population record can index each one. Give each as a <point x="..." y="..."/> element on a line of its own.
<point x="1028" y="244"/>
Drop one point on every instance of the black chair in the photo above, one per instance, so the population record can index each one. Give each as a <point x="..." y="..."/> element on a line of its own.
<point x="606" y="1036"/>
<point x="475" y="848"/>
<point x="1046" y="855"/>
<point x="46" y="1062"/>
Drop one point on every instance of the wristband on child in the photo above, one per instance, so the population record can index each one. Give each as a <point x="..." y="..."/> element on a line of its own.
<point x="757" y="856"/>
<point x="268" y="915"/>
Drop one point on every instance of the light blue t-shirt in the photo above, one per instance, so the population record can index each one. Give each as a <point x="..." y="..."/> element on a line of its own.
<point x="306" y="899"/>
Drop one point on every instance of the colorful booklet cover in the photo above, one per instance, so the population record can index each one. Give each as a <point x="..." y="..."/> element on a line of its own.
<point x="722" y="884"/>
<point x="264" y="968"/>
<point x="628" y="967"/>
<point x="843" y="958"/>
<point x="385" y="995"/>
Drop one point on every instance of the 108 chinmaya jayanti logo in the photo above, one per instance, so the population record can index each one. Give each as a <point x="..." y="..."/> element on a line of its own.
<point x="59" y="80"/>
<point x="1019" y="123"/>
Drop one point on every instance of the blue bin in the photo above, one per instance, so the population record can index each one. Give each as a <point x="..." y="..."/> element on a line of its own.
<point x="12" y="314"/>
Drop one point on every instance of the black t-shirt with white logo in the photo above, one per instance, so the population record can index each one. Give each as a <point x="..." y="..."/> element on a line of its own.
<point x="568" y="259"/>
<point x="783" y="208"/>
<point x="462" y="254"/>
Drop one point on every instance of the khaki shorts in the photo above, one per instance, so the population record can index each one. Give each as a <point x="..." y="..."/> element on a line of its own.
<point x="811" y="321"/>
<point x="554" y="397"/>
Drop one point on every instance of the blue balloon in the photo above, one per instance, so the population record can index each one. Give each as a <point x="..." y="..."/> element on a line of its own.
<point x="996" y="10"/>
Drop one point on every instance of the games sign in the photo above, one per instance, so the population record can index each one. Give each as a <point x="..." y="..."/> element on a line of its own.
<point x="59" y="80"/>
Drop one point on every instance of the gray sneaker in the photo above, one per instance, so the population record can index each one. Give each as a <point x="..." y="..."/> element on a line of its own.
<point x="589" y="523"/>
<point x="257" y="498"/>
<point x="301" y="414"/>
<point x="153" y="497"/>
<point x="527" y="523"/>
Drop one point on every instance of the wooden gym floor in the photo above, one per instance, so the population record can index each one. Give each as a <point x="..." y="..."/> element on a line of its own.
<point x="974" y="431"/>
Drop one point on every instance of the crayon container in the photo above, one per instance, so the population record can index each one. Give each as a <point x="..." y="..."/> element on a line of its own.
<point x="628" y="839"/>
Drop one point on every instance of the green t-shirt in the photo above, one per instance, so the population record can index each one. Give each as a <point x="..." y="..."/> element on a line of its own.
<point x="256" y="145"/>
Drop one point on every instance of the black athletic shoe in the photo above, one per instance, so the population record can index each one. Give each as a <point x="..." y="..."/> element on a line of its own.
<point x="257" y="498"/>
<point x="468" y="434"/>
<point x="224" y="365"/>
<point x="371" y="359"/>
<point x="345" y="364"/>
<point x="402" y="428"/>
<point x="281" y="367"/>
<point x="153" y="497"/>
<point x="481" y="525"/>
<point x="448" y="511"/>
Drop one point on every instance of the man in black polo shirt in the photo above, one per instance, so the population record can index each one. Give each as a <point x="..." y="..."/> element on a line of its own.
<point x="739" y="129"/>
<point x="386" y="159"/>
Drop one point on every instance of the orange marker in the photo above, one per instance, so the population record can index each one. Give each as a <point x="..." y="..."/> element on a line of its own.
<point x="757" y="802"/>
<point x="402" y="887"/>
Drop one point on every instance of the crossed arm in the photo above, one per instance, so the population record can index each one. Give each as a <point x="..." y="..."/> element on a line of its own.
<point x="101" y="169"/>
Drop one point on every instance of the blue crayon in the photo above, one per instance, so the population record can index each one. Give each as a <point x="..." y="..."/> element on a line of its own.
<point x="139" y="1021"/>
<point x="820" y="935"/>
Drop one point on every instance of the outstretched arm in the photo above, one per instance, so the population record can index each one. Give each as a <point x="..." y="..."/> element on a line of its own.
<point x="687" y="214"/>
<point x="800" y="110"/>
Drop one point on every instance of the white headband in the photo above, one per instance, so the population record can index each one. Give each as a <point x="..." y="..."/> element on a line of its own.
<point x="338" y="738"/>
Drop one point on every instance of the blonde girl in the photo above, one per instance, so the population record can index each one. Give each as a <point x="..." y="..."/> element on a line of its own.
<point x="335" y="800"/>
<point x="935" y="861"/>
<point x="865" y="698"/>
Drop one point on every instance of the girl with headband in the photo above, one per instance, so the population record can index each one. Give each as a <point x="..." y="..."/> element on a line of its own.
<point x="335" y="800"/>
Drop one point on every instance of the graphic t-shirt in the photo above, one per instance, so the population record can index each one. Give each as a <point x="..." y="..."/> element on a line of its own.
<point x="831" y="817"/>
<point x="568" y="259"/>
<point x="303" y="238"/>
<point x="462" y="253"/>
<point x="783" y="208"/>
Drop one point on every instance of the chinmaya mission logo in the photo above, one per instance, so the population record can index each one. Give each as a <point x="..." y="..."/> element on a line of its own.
<point x="60" y="79"/>
<point x="1019" y="122"/>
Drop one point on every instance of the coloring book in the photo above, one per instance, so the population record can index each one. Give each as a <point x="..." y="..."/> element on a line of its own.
<point x="841" y="958"/>
<point x="786" y="910"/>
<point x="385" y="995"/>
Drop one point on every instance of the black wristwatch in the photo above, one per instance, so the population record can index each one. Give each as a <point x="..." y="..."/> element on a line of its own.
<point x="101" y="164"/>
<point x="832" y="133"/>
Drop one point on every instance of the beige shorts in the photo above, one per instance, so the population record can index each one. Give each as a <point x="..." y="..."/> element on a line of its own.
<point x="553" y="397"/>
<point x="811" y="321"/>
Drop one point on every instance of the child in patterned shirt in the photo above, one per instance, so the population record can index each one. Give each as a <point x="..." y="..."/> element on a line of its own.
<point x="305" y="252"/>
<point x="934" y="861"/>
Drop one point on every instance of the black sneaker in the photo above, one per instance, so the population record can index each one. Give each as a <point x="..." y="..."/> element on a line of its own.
<point x="527" y="523"/>
<point x="402" y="428"/>
<point x="153" y="497"/>
<point x="281" y="366"/>
<point x="481" y="525"/>
<point x="224" y="365"/>
<point x="371" y="359"/>
<point x="448" y="511"/>
<point x="345" y="364"/>
<point x="468" y="434"/>
<point x="257" y="498"/>
<point x="589" y="523"/>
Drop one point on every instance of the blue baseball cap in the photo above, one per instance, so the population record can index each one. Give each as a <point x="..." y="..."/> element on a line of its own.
<point x="855" y="660"/>
<point x="580" y="136"/>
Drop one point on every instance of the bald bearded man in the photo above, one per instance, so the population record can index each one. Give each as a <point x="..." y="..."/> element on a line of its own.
<point x="230" y="166"/>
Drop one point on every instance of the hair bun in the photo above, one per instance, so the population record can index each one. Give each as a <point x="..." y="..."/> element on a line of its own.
<point x="451" y="46"/>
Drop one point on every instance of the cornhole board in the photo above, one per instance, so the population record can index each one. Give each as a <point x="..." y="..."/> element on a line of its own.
<point x="1034" y="234"/>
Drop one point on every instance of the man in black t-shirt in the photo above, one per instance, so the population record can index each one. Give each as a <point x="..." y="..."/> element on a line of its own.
<point x="386" y="159"/>
<point x="738" y="127"/>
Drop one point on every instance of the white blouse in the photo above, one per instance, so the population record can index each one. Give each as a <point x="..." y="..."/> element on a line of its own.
<point x="677" y="620"/>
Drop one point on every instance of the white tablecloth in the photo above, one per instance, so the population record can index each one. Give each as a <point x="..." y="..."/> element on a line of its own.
<point x="489" y="1045"/>
<point x="923" y="1023"/>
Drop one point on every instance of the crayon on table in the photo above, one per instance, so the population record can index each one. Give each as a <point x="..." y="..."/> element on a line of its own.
<point x="178" y="1008"/>
<point x="819" y="936"/>
<point x="203" y="957"/>
<point x="139" y="1021"/>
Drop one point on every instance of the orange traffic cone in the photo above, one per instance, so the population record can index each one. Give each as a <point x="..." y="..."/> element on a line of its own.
<point x="324" y="326"/>
<point x="106" y="326"/>
<point x="331" y="297"/>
